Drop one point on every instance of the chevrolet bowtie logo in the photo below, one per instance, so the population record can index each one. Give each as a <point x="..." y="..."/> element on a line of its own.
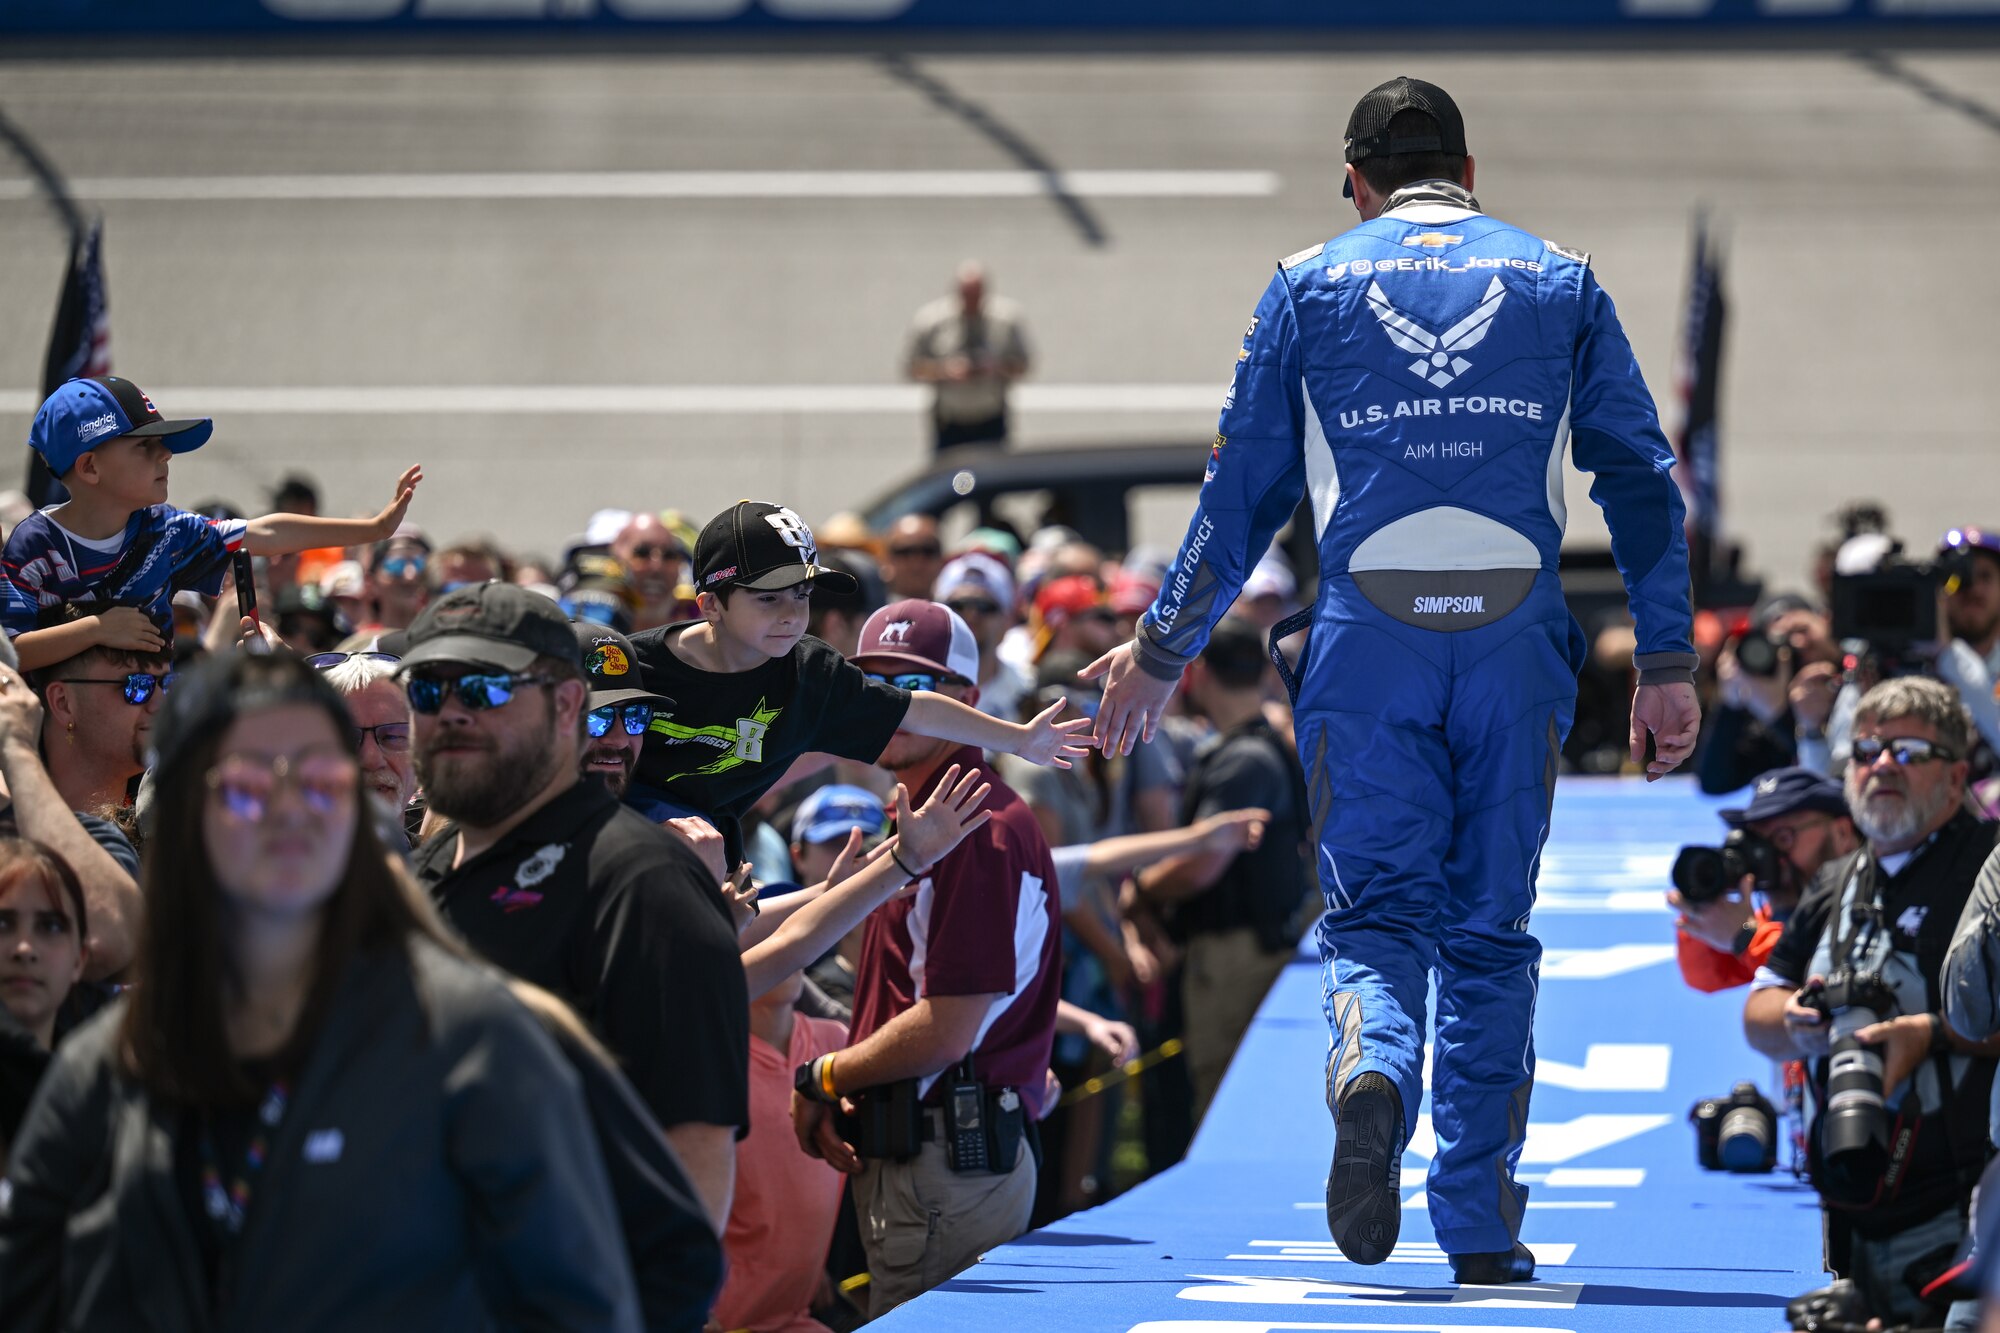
<point x="1432" y="240"/>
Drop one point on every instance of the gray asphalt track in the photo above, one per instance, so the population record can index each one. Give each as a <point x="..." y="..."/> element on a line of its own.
<point x="1861" y="199"/>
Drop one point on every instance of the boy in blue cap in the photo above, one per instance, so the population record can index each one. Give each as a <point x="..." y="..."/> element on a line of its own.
<point x="117" y="544"/>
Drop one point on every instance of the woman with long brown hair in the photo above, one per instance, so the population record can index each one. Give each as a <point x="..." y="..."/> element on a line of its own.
<point x="312" y="1111"/>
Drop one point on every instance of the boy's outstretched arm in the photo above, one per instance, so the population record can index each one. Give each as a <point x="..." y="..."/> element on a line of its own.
<point x="1043" y="740"/>
<point x="282" y="534"/>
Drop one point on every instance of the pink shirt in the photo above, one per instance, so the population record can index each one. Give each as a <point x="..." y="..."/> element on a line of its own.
<point x="781" y="1221"/>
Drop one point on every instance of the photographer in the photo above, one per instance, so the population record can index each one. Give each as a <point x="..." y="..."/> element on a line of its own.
<point x="1900" y="1133"/>
<point x="1734" y="900"/>
<point x="1940" y="619"/>
<point x="1782" y="668"/>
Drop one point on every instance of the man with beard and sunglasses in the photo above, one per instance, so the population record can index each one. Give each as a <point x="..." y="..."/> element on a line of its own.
<point x="1890" y="909"/>
<point x="551" y="878"/>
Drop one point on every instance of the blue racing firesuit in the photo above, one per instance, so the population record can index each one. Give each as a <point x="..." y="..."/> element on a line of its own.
<point x="1418" y="378"/>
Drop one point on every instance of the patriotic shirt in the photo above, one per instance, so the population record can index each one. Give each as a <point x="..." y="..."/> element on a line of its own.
<point x="162" y="551"/>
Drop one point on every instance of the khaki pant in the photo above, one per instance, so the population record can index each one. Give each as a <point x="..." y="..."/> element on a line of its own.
<point x="920" y="1223"/>
<point x="1224" y="979"/>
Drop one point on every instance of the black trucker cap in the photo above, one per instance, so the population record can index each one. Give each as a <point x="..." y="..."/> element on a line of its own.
<point x="1368" y="127"/>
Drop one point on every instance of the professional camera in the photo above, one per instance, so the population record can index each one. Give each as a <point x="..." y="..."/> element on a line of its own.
<point x="1736" y="1133"/>
<point x="1894" y="607"/>
<point x="1703" y="874"/>
<point x="1854" y="1131"/>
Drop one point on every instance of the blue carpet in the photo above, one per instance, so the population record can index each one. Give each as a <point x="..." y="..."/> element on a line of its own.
<point x="1631" y="1234"/>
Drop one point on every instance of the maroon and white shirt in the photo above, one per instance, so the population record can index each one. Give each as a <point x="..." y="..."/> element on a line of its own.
<point x="986" y="920"/>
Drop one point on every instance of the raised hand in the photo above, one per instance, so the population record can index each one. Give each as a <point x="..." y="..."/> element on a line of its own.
<point x="1047" y="742"/>
<point x="1234" y="831"/>
<point x="926" y="834"/>
<point x="391" y="518"/>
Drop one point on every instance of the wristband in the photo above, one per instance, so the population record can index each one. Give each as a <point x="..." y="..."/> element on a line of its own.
<point x="1744" y="935"/>
<point x="896" y="855"/>
<point x="814" y="1081"/>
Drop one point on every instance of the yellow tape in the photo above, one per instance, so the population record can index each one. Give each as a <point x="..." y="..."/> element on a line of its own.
<point x="855" y="1283"/>
<point x="1160" y="1054"/>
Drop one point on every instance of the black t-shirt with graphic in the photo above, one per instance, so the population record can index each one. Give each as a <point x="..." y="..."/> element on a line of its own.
<point x="733" y="735"/>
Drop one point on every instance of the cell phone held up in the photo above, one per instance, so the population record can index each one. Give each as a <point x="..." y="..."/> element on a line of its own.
<point x="246" y="587"/>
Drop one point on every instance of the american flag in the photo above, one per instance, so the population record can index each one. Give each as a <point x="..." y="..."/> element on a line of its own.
<point x="80" y="343"/>
<point x="1698" y="447"/>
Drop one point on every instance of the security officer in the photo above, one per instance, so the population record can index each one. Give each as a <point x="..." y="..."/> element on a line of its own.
<point x="1419" y="379"/>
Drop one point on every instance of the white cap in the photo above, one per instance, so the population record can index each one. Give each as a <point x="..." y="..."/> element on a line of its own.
<point x="975" y="569"/>
<point x="346" y="579"/>
<point x="1272" y="577"/>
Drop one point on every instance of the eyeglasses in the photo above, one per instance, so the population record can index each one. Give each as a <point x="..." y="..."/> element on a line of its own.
<point x="138" y="685"/>
<point x="1786" y="836"/>
<point x="477" y="691"/>
<point x="248" y="785"/>
<point x="919" y="551"/>
<point x="328" y="661"/>
<point x="1905" y="750"/>
<point x="979" y="606"/>
<point x="927" y="681"/>
<point x="390" y="737"/>
<point x="635" y="718"/>
<point x="401" y="566"/>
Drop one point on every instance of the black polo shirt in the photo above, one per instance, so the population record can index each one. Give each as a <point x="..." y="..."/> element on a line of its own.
<point x="592" y="902"/>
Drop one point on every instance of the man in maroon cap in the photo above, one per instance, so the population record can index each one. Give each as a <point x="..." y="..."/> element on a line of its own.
<point x="954" y="1005"/>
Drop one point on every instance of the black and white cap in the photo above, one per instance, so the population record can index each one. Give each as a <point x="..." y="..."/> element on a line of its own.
<point x="756" y="544"/>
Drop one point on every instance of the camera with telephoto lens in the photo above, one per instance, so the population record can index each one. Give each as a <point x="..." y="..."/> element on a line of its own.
<point x="1703" y="874"/>
<point x="1854" y="1128"/>
<point x="1736" y="1133"/>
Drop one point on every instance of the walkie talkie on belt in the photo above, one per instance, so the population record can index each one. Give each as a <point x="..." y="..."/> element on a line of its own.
<point x="966" y="1133"/>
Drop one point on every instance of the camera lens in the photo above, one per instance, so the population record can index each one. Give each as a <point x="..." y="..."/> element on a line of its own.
<point x="1700" y="874"/>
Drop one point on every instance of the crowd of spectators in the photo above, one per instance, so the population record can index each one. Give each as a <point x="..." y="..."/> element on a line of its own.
<point x="745" y="915"/>
<point x="664" y="916"/>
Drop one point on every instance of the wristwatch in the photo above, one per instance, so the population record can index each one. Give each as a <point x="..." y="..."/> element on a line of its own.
<point x="813" y="1081"/>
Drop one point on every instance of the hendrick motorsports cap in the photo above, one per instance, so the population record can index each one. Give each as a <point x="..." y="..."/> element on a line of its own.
<point x="834" y="812"/>
<point x="490" y="624"/>
<point x="921" y="636"/>
<point x="1368" y="126"/>
<point x="1785" y="791"/>
<point x="755" y="544"/>
<point x="83" y="414"/>
<point x="613" y="669"/>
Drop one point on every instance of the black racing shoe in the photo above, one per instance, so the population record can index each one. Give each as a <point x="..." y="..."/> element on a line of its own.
<point x="1493" y="1270"/>
<point x="1364" y="1200"/>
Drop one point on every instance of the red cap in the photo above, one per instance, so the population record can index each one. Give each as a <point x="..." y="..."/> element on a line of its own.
<point x="1059" y="599"/>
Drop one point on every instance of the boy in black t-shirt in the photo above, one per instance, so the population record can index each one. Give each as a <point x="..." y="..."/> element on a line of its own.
<point x="756" y="691"/>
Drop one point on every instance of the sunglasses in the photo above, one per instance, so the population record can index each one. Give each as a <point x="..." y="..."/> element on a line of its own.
<point x="248" y="785"/>
<point x="658" y="553"/>
<point x="1905" y="750"/>
<point x="138" y="685"/>
<point x="328" y="661"/>
<point x="402" y="566"/>
<point x="477" y="691"/>
<point x="927" y="681"/>
<point x="923" y="551"/>
<point x="635" y="718"/>
<point x="979" y="606"/>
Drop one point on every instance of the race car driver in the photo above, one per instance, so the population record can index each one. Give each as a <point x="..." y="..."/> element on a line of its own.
<point x="1419" y="378"/>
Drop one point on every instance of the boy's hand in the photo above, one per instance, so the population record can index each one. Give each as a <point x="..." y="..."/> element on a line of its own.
<point x="391" y="518"/>
<point x="925" y="834"/>
<point x="129" y="628"/>
<point x="1046" y="741"/>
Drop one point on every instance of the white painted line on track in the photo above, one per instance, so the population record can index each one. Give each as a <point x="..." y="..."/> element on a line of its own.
<point x="728" y="400"/>
<point x="383" y="186"/>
